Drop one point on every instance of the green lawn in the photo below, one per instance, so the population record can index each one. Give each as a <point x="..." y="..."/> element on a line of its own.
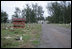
<point x="64" y="25"/>
<point x="30" y="34"/>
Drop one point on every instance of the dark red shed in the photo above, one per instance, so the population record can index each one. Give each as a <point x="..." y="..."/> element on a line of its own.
<point x="18" y="22"/>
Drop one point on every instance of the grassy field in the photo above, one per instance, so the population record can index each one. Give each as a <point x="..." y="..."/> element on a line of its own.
<point x="30" y="34"/>
<point x="64" y="25"/>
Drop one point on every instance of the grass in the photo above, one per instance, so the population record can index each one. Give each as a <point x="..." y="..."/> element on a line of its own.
<point x="35" y="42"/>
<point x="29" y="32"/>
<point x="8" y="43"/>
<point x="64" y="25"/>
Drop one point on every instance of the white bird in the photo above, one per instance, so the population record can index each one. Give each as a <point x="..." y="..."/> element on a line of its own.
<point x="70" y="23"/>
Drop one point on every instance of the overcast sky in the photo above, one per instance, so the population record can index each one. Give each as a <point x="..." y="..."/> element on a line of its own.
<point x="9" y="6"/>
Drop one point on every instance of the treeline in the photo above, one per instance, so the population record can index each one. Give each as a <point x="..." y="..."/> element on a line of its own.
<point x="4" y="17"/>
<point x="31" y="13"/>
<point x="60" y="12"/>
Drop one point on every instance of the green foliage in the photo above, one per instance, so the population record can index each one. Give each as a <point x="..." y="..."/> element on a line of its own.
<point x="17" y="13"/>
<point x="32" y="15"/>
<point x="4" y="17"/>
<point x="35" y="42"/>
<point x="60" y="12"/>
<point x="26" y="37"/>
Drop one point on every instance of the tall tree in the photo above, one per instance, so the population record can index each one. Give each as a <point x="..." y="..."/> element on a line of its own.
<point x="17" y="13"/>
<point x="59" y="12"/>
<point x="40" y="12"/>
<point x="4" y="16"/>
<point x="23" y="13"/>
<point x="28" y="13"/>
<point x="33" y="16"/>
<point x="66" y="6"/>
<point x="35" y="8"/>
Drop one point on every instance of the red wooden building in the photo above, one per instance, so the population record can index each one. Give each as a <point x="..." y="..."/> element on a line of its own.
<point x="18" y="22"/>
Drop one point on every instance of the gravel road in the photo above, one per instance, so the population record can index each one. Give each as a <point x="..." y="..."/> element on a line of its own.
<point x="53" y="36"/>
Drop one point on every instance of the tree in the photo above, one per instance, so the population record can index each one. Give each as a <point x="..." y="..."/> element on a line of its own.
<point x="4" y="17"/>
<point x="49" y="18"/>
<point x="17" y="13"/>
<point x="40" y="11"/>
<point x="35" y="10"/>
<point x="67" y="12"/>
<point x="33" y="16"/>
<point x="23" y="13"/>
<point x="54" y="10"/>
<point x="28" y="13"/>
<point x="41" y="18"/>
<point x="60" y="12"/>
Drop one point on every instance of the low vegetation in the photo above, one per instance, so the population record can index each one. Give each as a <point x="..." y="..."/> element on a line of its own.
<point x="30" y="36"/>
<point x="64" y="25"/>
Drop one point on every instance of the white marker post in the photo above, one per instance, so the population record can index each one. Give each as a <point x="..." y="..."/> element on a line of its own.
<point x="70" y="23"/>
<point x="20" y="37"/>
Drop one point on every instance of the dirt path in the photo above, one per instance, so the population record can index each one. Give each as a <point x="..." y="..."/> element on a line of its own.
<point x="55" y="37"/>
